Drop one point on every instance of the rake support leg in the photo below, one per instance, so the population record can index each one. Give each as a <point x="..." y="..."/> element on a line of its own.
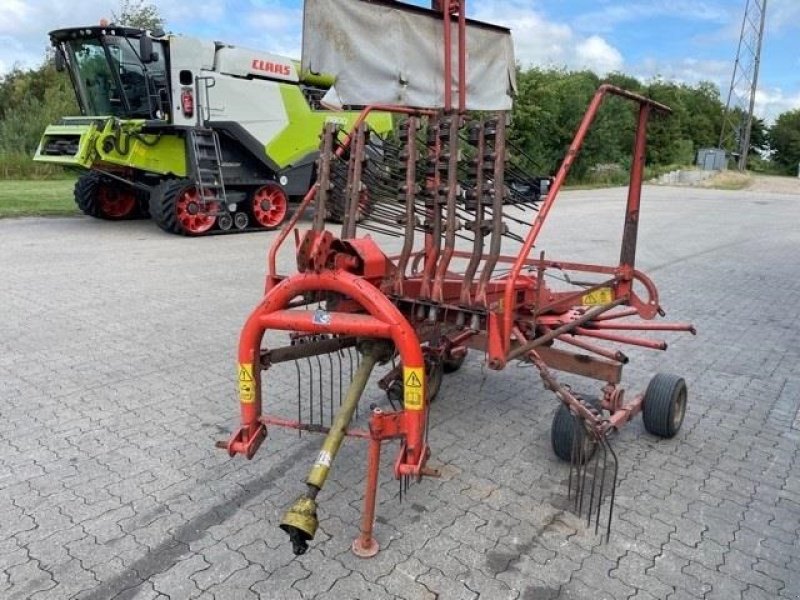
<point x="364" y="545"/>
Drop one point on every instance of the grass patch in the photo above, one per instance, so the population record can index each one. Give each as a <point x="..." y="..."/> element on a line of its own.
<point x="15" y="165"/>
<point x="728" y="180"/>
<point x="37" y="198"/>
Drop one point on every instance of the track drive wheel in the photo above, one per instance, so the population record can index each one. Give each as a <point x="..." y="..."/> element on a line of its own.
<point x="564" y="429"/>
<point x="664" y="405"/>
<point x="270" y="206"/>
<point x="176" y="207"/>
<point x="104" y="198"/>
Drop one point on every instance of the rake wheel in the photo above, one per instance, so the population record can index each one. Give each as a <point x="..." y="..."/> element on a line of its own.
<point x="664" y="405"/>
<point x="564" y="429"/>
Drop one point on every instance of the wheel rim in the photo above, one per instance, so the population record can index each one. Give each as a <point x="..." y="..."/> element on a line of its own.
<point x="189" y="209"/>
<point x="270" y="206"/>
<point x="680" y="409"/>
<point x="115" y="203"/>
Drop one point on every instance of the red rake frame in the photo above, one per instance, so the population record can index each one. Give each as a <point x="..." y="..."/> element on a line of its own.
<point x="512" y="316"/>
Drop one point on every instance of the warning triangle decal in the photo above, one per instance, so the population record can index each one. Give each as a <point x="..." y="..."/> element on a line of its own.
<point x="413" y="381"/>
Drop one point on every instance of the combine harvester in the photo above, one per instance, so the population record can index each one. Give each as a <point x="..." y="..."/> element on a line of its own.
<point x="442" y="190"/>
<point x="201" y="136"/>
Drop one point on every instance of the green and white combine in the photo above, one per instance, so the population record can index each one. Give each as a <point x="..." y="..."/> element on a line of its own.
<point x="201" y="136"/>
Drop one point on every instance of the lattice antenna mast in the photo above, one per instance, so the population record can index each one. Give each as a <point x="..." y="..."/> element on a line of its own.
<point x="737" y="120"/>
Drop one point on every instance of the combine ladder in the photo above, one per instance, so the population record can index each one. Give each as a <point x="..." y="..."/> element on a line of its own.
<point x="206" y="160"/>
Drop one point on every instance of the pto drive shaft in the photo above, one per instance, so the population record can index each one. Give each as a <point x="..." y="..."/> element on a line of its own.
<point x="300" y="521"/>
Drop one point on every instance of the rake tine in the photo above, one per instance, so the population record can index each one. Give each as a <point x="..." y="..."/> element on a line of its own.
<point x="339" y="359"/>
<point x="330" y="365"/>
<point x="613" y="490"/>
<point x="299" y="408"/>
<point x="321" y="392"/>
<point x="310" y="391"/>
<point x="578" y="462"/>
<point x="350" y="356"/>
<point x="594" y="486"/>
<point x="572" y="458"/>
<point x="602" y="484"/>
<point x="584" y="467"/>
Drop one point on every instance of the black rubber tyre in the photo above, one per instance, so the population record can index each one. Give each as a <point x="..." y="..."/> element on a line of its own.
<point x="562" y="433"/>
<point x="166" y="204"/>
<point x="664" y="405"/>
<point x="451" y="364"/>
<point x="92" y="188"/>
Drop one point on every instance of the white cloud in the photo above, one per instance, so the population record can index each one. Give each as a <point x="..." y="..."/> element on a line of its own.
<point x="545" y="43"/>
<point x="771" y="102"/>
<point x="598" y="55"/>
<point x="687" y="70"/>
<point x="261" y="25"/>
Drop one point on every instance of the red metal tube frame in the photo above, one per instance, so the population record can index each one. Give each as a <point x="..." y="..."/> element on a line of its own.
<point x="385" y="321"/>
<point x="538" y="222"/>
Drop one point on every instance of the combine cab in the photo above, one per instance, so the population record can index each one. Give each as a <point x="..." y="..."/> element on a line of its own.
<point x="201" y="136"/>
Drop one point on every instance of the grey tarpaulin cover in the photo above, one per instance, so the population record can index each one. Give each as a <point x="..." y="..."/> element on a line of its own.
<point x="387" y="53"/>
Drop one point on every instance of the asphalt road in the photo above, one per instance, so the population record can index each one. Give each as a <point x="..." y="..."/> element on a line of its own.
<point x="117" y="374"/>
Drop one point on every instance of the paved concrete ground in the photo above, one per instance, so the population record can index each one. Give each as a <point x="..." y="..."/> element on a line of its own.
<point x="117" y="352"/>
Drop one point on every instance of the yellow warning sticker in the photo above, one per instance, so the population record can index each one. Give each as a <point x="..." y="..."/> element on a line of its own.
<point x="602" y="295"/>
<point x="247" y="384"/>
<point x="412" y="388"/>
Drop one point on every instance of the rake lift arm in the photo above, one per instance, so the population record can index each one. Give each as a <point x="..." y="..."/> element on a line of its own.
<point x="445" y="188"/>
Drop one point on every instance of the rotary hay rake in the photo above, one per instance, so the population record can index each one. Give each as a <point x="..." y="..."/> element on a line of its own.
<point x="446" y="186"/>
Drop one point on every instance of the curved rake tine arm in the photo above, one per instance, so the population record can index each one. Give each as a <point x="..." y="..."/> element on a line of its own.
<point x="410" y="208"/>
<point x="353" y="204"/>
<point x="324" y="180"/>
<point x="273" y="278"/>
<point x="433" y="225"/>
<point x="477" y="243"/>
<point x="498" y="189"/>
<point x="450" y="219"/>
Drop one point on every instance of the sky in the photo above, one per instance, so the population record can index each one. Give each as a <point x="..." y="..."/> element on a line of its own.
<point x="682" y="40"/>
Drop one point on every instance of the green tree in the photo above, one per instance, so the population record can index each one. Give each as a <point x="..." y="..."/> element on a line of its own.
<point x="30" y="100"/>
<point x="784" y="140"/>
<point x="138" y="13"/>
<point x="759" y="137"/>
